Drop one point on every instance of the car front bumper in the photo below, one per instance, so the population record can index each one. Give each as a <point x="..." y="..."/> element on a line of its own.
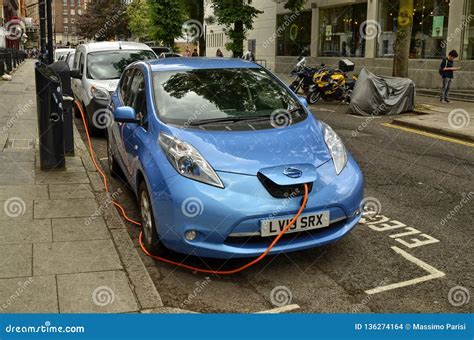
<point x="227" y="221"/>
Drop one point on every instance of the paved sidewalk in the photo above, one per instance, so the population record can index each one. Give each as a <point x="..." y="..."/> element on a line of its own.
<point x="454" y="119"/>
<point x="63" y="247"/>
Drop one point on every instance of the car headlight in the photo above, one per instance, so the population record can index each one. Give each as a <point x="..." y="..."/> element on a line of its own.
<point x="188" y="161"/>
<point x="336" y="147"/>
<point x="99" y="93"/>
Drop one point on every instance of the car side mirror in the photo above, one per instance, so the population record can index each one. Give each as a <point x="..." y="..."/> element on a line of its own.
<point x="126" y="114"/>
<point x="303" y="101"/>
<point x="75" y="74"/>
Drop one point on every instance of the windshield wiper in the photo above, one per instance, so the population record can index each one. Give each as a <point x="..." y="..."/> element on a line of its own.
<point x="230" y="119"/>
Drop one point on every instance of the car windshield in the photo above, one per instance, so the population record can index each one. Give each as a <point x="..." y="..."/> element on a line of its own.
<point x="199" y="96"/>
<point x="110" y="64"/>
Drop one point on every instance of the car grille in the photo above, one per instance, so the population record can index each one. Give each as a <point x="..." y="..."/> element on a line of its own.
<point x="283" y="191"/>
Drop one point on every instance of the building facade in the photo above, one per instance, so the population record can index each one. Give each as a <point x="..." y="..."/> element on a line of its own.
<point x="362" y="30"/>
<point x="65" y="19"/>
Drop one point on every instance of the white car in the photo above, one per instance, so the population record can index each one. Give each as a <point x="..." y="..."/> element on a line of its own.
<point x="60" y="53"/>
<point x="96" y="71"/>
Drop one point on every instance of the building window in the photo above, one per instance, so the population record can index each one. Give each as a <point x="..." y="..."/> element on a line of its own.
<point x="65" y="20"/>
<point x="429" y="29"/>
<point x="339" y="31"/>
<point x="215" y="40"/>
<point x="293" y="33"/>
<point x="72" y="11"/>
<point x="468" y="27"/>
<point x="66" y="29"/>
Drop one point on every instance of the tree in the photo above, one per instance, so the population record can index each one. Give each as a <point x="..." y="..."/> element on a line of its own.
<point x="195" y="9"/>
<point x="104" y="20"/>
<point x="237" y="16"/>
<point x="166" y="20"/>
<point x="139" y="19"/>
<point x="402" y="43"/>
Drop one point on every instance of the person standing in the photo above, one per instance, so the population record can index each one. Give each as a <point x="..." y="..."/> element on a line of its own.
<point x="219" y="53"/>
<point x="195" y="53"/>
<point x="446" y="70"/>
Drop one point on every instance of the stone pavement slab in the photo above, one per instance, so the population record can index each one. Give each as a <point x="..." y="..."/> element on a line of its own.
<point x="25" y="191"/>
<point x="15" y="260"/>
<point x="97" y="292"/>
<point x="28" y="295"/>
<point x="56" y="177"/>
<point x="79" y="229"/>
<point x="74" y="257"/>
<point x="16" y="208"/>
<point x="65" y="208"/>
<point x="25" y="232"/>
<point x="70" y="191"/>
<point x="17" y="178"/>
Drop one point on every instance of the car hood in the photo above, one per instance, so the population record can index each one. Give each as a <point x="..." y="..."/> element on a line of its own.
<point x="248" y="152"/>
<point x="110" y="85"/>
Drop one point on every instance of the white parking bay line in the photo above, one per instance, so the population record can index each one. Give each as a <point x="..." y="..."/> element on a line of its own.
<point x="433" y="274"/>
<point x="282" y="309"/>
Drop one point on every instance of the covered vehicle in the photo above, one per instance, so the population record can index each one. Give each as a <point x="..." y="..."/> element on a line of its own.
<point x="381" y="95"/>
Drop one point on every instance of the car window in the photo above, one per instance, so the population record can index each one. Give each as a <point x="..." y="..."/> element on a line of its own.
<point x="137" y="98"/>
<point x="125" y="85"/>
<point x="107" y="65"/>
<point x="218" y="93"/>
<point x="81" y="64"/>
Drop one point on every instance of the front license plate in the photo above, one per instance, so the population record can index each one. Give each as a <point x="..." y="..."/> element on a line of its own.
<point x="272" y="227"/>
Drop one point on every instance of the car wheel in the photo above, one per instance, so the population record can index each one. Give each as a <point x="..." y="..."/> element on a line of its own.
<point x="150" y="236"/>
<point x="114" y="168"/>
<point x="314" y="97"/>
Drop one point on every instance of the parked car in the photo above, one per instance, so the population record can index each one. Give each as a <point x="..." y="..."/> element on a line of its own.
<point x="161" y="49"/>
<point x="218" y="152"/>
<point x="70" y="59"/>
<point x="169" y="55"/>
<point x="60" y="53"/>
<point x="96" y="71"/>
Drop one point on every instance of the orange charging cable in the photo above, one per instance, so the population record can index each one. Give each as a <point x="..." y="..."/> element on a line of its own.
<point x="179" y="264"/>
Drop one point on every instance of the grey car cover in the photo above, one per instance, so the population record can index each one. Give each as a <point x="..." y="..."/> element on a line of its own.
<point x="380" y="95"/>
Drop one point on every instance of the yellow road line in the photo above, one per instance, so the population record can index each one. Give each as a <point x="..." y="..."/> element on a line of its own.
<point x="429" y="134"/>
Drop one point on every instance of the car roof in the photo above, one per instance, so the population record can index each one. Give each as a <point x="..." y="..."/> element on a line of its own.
<point x="192" y="63"/>
<point x="115" y="45"/>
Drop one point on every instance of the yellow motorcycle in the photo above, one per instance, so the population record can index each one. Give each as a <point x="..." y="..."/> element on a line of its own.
<point x="332" y="84"/>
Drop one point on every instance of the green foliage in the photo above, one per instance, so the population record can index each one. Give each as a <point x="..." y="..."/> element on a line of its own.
<point x="104" y="20"/>
<point x="237" y="16"/>
<point x="139" y="19"/>
<point x="166" y="20"/>
<point x="295" y="5"/>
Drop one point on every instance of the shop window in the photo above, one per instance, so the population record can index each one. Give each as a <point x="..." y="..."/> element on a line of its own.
<point x="429" y="28"/>
<point x="339" y="31"/>
<point x="468" y="28"/>
<point x="293" y="33"/>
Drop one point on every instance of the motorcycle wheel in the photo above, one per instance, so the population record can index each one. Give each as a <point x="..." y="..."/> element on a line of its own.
<point x="313" y="97"/>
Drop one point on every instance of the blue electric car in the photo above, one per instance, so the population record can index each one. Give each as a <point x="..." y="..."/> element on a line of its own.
<point x="218" y="152"/>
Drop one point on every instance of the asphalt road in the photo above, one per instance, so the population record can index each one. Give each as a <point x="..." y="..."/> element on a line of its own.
<point x="408" y="262"/>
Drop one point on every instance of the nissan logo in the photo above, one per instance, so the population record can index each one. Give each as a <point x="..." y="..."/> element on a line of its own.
<point x="293" y="172"/>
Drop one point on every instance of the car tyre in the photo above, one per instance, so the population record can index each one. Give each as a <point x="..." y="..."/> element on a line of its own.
<point x="114" y="167"/>
<point x="150" y="237"/>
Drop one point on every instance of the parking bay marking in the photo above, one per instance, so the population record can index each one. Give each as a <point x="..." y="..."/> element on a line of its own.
<point x="282" y="309"/>
<point x="379" y="223"/>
